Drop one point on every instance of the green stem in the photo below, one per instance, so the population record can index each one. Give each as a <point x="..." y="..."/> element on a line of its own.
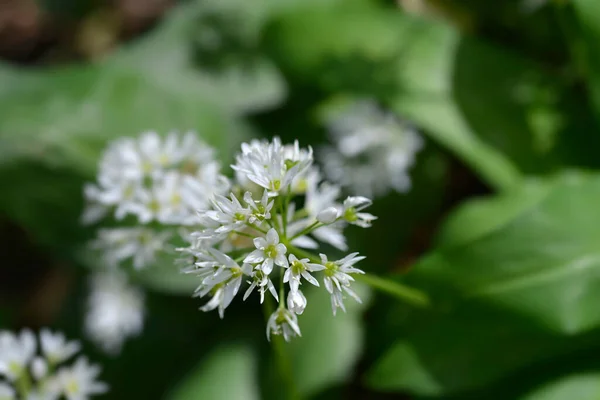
<point x="254" y="226"/>
<point x="395" y="289"/>
<point x="24" y="384"/>
<point x="282" y="359"/>
<point x="306" y="230"/>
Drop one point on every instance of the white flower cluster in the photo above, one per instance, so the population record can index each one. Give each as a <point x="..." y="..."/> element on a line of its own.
<point x="157" y="181"/>
<point x="115" y="311"/>
<point x="372" y="151"/>
<point x="278" y="207"/>
<point x="33" y="376"/>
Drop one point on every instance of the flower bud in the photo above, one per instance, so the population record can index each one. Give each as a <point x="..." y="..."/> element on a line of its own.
<point x="328" y="215"/>
<point x="39" y="368"/>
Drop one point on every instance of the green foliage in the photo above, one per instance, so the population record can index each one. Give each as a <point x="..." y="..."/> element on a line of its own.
<point x="228" y="373"/>
<point x="582" y="387"/>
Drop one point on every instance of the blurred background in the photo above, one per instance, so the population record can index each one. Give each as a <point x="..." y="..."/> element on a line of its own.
<point x="506" y="95"/>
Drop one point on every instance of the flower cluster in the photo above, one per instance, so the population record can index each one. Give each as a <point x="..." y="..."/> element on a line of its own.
<point x="372" y="151"/>
<point x="115" y="311"/>
<point x="263" y="232"/>
<point x="30" y="375"/>
<point x="156" y="181"/>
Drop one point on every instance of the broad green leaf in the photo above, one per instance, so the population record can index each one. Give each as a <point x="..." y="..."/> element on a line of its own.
<point x="330" y="347"/>
<point x="580" y="387"/>
<point x="230" y="372"/>
<point x="512" y="279"/>
<point x="543" y="263"/>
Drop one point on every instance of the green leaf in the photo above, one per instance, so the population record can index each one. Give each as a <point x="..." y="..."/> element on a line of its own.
<point x="588" y="12"/>
<point x="580" y="387"/>
<point x="542" y="263"/>
<point x="513" y="280"/>
<point x="330" y="347"/>
<point x="228" y="373"/>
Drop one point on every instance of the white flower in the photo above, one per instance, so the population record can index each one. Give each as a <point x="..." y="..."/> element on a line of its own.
<point x="328" y="215"/>
<point x="139" y="244"/>
<point x="156" y="179"/>
<point x="266" y="165"/>
<point x="224" y="283"/>
<point x="16" y="352"/>
<point x="300" y="269"/>
<point x="337" y="279"/>
<point x="268" y="252"/>
<point x="261" y="281"/>
<point x="261" y="210"/>
<point x="296" y="301"/>
<point x="227" y="214"/>
<point x="352" y="206"/>
<point x="39" y="368"/>
<point x="115" y="311"/>
<point x="283" y="322"/>
<point x="7" y="392"/>
<point x="79" y="381"/>
<point x="56" y="348"/>
<point x="373" y="149"/>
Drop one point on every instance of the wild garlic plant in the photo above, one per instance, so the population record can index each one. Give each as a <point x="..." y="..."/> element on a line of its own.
<point x="43" y="375"/>
<point x="146" y="189"/>
<point x="266" y="233"/>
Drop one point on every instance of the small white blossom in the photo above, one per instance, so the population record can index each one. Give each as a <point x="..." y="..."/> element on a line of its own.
<point x="260" y="210"/>
<point x="56" y="348"/>
<point x="268" y="252"/>
<point x="300" y="269"/>
<point x="373" y="149"/>
<point x="296" y="301"/>
<point x="141" y="245"/>
<point x="352" y="206"/>
<point x="338" y="279"/>
<point x="224" y="283"/>
<point x="44" y="376"/>
<point x="39" y="368"/>
<point x="228" y="214"/>
<point x="261" y="281"/>
<point x="16" y="352"/>
<point x="115" y="311"/>
<point x="328" y="215"/>
<point x="79" y="381"/>
<point x="283" y="322"/>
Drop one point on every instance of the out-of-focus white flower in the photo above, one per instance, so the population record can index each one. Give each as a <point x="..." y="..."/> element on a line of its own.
<point x="56" y="348"/>
<point x="115" y="311"/>
<point x="80" y="381"/>
<point x="140" y="244"/>
<point x="372" y="151"/>
<point x="155" y="179"/>
<point x="283" y="322"/>
<point x="45" y="377"/>
<point x="267" y="236"/>
<point x="16" y="352"/>
<point x="338" y="279"/>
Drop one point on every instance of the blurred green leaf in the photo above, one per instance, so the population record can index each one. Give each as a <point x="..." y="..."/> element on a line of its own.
<point x="330" y="347"/>
<point x="580" y="387"/>
<point x="542" y="263"/>
<point x="230" y="372"/>
<point x="588" y="12"/>
<point x="498" y="112"/>
<point x="512" y="279"/>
